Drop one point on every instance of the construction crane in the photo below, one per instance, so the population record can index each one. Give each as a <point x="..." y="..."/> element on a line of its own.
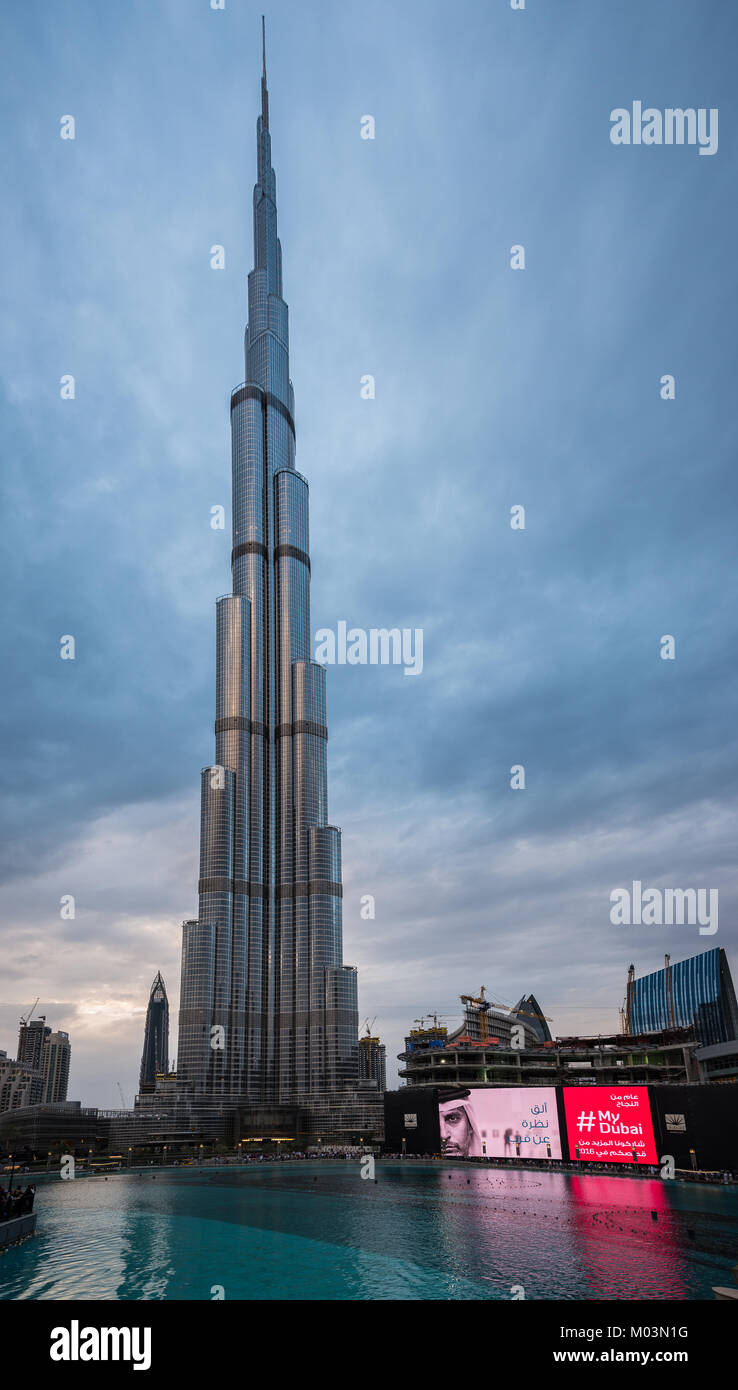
<point x="524" y="1013"/>
<point x="626" y="1013"/>
<point x="122" y="1097"/>
<point x="31" y="1012"/>
<point x="482" y="1007"/>
<point x="369" y="1025"/>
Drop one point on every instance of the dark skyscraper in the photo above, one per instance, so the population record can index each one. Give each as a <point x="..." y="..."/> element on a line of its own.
<point x="268" y="1011"/>
<point x="155" y="1056"/>
<point x="32" y="1036"/>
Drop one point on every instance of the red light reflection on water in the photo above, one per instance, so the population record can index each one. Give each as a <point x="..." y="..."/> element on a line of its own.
<point x="624" y="1251"/>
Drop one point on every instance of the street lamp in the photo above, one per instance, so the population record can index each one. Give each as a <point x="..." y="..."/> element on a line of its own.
<point x="165" y="1155"/>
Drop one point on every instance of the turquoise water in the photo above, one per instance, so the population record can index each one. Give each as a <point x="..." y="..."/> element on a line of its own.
<point x="316" y="1230"/>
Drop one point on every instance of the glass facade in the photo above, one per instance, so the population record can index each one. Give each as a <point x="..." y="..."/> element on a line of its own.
<point x="697" y="993"/>
<point x="268" y="1009"/>
<point x="57" y="1057"/>
<point x="155" y="1056"/>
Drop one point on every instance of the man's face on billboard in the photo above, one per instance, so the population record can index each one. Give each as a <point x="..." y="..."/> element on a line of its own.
<point x="456" y="1131"/>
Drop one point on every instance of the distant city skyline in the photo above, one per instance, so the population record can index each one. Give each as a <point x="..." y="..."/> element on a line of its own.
<point x="494" y="388"/>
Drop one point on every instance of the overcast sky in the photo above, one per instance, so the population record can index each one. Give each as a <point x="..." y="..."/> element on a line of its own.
<point x="494" y="388"/>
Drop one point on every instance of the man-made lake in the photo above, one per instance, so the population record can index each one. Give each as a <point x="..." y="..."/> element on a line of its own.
<point x="305" y="1230"/>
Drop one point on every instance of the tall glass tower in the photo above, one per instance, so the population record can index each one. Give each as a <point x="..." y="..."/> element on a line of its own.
<point x="155" y="1055"/>
<point x="268" y="1011"/>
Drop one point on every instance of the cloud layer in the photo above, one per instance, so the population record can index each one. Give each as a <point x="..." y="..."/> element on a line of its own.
<point x="493" y="388"/>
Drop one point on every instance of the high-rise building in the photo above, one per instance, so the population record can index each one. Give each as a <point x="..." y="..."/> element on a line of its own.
<point x="56" y="1059"/>
<point x="372" y="1062"/>
<point x="697" y="992"/>
<point x="32" y="1035"/>
<point x="268" y="1010"/>
<point x="46" y="1054"/>
<point x="155" y="1056"/>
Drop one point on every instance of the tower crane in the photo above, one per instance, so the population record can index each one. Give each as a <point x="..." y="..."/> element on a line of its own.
<point x="31" y="1011"/>
<point x="483" y="1005"/>
<point x="626" y="1013"/>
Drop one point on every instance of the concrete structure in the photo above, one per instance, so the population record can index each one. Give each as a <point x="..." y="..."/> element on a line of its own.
<point x="719" y="1062"/>
<point x="20" y="1084"/>
<point x="669" y="1056"/>
<point x="17" y="1230"/>
<point x="32" y="1037"/>
<point x="372" y="1062"/>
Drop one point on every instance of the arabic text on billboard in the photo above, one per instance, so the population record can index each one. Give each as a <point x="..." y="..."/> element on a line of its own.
<point x="504" y="1122"/>
<point x="607" y="1124"/>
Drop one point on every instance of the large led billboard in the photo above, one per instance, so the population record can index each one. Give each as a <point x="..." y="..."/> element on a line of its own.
<point x="504" y="1122"/>
<point x="609" y="1124"/>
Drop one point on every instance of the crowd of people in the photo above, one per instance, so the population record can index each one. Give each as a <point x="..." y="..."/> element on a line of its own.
<point x="621" y="1170"/>
<point x="16" y="1203"/>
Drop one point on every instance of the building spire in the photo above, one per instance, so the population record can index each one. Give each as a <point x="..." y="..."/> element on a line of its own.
<point x="264" y="92"/>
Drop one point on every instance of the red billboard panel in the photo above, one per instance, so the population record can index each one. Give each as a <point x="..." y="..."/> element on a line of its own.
<point x="609" y="1124"/>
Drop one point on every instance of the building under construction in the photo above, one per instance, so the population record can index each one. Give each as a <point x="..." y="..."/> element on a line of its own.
<point x="694" y="993"/>
<point x="372" y="1060"/>
<point x="488" y="1029"/>
<point x="673" y="1056"/>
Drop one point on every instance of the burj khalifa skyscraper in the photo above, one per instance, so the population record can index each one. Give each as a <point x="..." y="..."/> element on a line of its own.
<point x="268" y="1010"/>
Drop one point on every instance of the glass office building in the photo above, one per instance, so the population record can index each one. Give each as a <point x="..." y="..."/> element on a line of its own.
<point x="57" y="1059"/>
<point x="155" y="1056"/>
<point x="697" y="992"/>
<point x="268" y="1010"/>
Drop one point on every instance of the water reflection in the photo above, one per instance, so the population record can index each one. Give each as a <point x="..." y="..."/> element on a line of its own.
<point x="422" y="1231"/>
<point x="627" y="1240"/>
